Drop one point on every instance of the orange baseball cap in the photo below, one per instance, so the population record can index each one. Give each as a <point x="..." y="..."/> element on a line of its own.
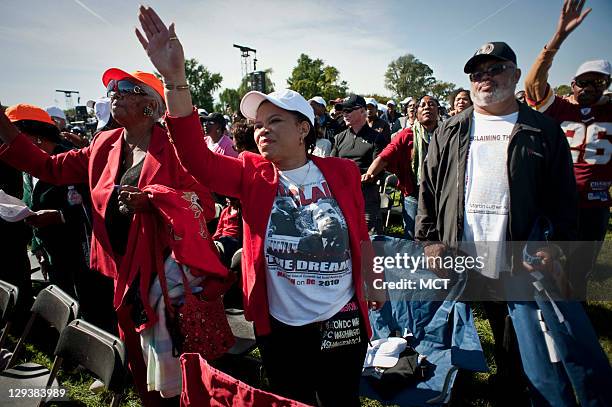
<point x="23" y="111"/>
<point x="144" y="77"/>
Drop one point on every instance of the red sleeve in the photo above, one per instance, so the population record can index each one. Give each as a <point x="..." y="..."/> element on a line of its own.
<point x="66" y="168"/>
<point x="398" y="151"/>
<point x="220" y="173"/>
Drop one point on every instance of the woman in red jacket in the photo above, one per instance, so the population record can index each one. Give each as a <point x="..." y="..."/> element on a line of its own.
<point x="308" y="306"/>
<point x="126" y="169"/>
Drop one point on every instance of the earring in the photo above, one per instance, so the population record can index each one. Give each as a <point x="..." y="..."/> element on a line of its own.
<point x="38" y="141"/>
<point x="301" y="140"/>
<point x="148" y="111"/>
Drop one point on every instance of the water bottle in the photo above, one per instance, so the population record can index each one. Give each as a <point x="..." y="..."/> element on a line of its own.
<point x="74" y="198"/>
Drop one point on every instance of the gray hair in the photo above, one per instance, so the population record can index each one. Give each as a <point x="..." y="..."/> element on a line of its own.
<point x="161" y="105"/>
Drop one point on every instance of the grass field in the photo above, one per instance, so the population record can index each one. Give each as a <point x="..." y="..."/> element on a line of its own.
<point x="474" y="388"/>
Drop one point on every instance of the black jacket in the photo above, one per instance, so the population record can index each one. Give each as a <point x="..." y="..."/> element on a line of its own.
<point x="540" y="176"/>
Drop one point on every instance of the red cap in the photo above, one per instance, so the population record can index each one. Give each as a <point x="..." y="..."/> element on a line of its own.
<point x="24" y="111"/>
<point x="144" y="77"/>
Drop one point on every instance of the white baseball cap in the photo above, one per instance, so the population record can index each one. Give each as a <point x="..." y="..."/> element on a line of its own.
<point x="391" y="102"/>
<point x="371" y="101"/>
<point x="598" y="66"/>
<point x="406" y="101"/>
<point x="286" y="99"/>
<point x="102" y="110"/>
<point x="55" y="111"/>
<point x="384" y="352"/>
<point x="319" y="100"/>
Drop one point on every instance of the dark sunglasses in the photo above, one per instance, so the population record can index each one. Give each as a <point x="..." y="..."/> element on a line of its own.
<point x="492" y="71"/>
<point x="350" y="110"/>
<point x="596" y="83"/>
<point x="123" y="87"/>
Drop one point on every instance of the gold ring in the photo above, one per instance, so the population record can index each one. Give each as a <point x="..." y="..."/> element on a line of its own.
<point x="173" y="39"/>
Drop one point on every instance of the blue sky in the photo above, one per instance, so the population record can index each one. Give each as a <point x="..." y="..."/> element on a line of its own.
<point x="67" y="44"/>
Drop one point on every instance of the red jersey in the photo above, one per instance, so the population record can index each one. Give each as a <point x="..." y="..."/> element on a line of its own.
<point x="589" y="133"/>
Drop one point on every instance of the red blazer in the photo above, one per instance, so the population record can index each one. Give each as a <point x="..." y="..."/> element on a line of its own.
<point x="254" y="180"/>
<point x="98" y="165"/>
<point x="398" y="155"/>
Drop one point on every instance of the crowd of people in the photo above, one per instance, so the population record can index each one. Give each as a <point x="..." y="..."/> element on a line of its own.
<point x="299" y="182"/>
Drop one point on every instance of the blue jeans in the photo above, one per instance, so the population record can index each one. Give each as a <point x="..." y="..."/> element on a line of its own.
<point x="409" y="214"/>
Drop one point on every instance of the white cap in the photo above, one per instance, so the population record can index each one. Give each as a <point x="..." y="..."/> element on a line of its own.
<point x="102" y="109"/>
<point x="371" y="101"/>
<point x="598" y="66"/>
<point x="202" y="112"/>
<point x="286" y="99"/>
<point x="384" y="352"/>
<point x="55" y="111"/>
<point x="406" y="101"/>
<point x="319" y="100"/>
<point x="391" y="102"/>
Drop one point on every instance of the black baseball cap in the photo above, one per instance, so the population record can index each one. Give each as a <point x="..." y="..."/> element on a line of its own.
<point x="498" y="50"/>
<point x="351" y="102"/>
<point x="216" y="118"/>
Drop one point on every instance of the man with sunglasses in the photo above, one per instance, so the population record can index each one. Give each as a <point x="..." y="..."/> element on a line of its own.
<point x="362" y="144"/>
<point x="216" y="136"/>
<point x="586" y="118"/>
<point x="490" y="171"/>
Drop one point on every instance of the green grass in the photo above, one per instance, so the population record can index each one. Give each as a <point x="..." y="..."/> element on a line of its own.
<point x="473" y="388"/>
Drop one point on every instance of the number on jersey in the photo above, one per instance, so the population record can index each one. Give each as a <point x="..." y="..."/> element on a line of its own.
<point x="590" y="144"/>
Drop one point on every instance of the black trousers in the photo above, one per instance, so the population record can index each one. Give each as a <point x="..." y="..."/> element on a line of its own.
<point x="298" y="369"/>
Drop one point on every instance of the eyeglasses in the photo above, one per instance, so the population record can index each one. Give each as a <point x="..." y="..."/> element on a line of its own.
<point x="493" y="70"/>
<point x="596" y="83"/>
<point x="123" y="87"/>
<point x="209" y="123"/>
<point x="350" y="110"/>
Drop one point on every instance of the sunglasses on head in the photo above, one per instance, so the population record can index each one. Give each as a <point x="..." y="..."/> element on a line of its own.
<point x="123" y="87"/>
<point x="596" y="83"/>
<point x="493" y="70"/>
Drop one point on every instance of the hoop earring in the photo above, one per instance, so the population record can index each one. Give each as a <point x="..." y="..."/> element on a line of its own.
<point x="148" y="111"/>
<point x="38" y="141"/>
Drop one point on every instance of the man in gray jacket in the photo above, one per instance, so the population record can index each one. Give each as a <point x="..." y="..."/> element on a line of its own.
<point x="490" y="172"/>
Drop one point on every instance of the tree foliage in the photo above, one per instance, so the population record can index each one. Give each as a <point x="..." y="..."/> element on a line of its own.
<point x="442" y="90"/>
<point x="229" y="99"/>
<point x="563" y="90"/>
<point x="313" y="78"/>
<point x="408" y="76"/>
<point x="202" y="83"/>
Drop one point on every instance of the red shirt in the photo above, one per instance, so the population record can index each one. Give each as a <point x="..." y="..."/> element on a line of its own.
<point x="589" y="134"/>
<point x="398" y="155"/>
<point x="229" y="224"/>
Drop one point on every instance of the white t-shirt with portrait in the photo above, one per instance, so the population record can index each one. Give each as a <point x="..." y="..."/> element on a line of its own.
<point x="487" y="193"/>
<point x="308" y="258"/>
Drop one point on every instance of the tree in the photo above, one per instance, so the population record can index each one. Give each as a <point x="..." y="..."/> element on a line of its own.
<point x="202" y="83"/>
<point x="442" y="90"/>
<point x="228" y="98"/>
<point x="563" y="90"/>
<point x="312" y="78"/>
<point x="407" y="76"/>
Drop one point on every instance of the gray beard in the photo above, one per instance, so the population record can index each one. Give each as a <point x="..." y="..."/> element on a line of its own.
<point x="499" y="94"/>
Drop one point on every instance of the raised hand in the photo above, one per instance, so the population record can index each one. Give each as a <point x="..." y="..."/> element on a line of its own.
<point x="571" y="17"/>
<point x="162" y="46"/>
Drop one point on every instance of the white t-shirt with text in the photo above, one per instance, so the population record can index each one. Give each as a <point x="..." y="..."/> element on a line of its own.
<point x="487" y="193"/>
<point x="308" y="259"/>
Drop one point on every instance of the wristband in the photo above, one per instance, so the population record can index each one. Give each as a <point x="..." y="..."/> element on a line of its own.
<point x="176" y="87"/>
